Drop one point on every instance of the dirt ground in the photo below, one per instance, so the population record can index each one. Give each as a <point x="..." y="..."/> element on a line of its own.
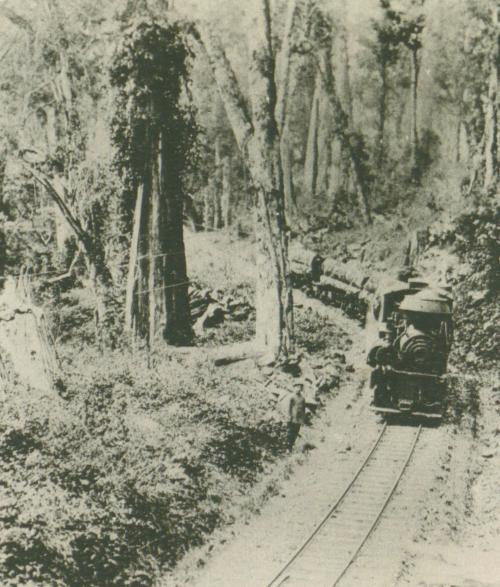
<point x="442" y="526"/>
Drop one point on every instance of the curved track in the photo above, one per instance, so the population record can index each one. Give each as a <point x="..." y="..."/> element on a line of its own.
<point x="330" y="550"/>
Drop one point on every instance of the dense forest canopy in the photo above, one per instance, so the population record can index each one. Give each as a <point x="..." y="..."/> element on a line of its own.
<point x="414" y="80"/>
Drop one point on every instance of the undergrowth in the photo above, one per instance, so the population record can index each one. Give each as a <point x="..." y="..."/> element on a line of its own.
<point x="137" y="461"/>
<point x="132" y="468"/>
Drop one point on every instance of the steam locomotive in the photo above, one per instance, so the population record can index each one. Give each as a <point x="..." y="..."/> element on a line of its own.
<point x="410" y="335"/>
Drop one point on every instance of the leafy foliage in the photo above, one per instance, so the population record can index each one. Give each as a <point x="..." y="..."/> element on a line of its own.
<point x="150" y="72"/>
<point x="476" y="239"/>
<point x="129" y="472"/>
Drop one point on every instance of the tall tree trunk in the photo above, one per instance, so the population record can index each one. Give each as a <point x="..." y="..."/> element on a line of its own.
<point x="133" y="300"/>
<point x="3" y="167"/>
<point x="331" y="175"/>
<point x="491" y="122"/>
<point x="217" y="186"/>
<point x="284" y="83"/>
<point x="312" y="150"/>
<point x="347" y="77"/>
<point x="157" y="304"/>
<point x="258" y="140"/>
<point x="62" y="232"/>
<point x="414" y="110"/>
<point x="274" y="304"/>
<point x="226" y="197"/>
<point x="100" y="282"/>
<point x="178" y="328"/>
<point x="324" y="145"/>
<point x="349" y="141"/>
<point x="3" y="242"/>
<point x="156" y="252"/>
<point x="208" y="204"/>
<point x="458" y="140"/>
<point x="289" y="189"/>
<point x="283" y="70"/>
<point x="381" y="113"/>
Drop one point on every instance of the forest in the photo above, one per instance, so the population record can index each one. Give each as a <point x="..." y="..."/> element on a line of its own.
<point x="170" y="173"/>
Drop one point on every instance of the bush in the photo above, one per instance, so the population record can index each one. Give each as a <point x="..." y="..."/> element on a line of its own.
<point x="134" y="468"/>
<point x="476" y="238"/>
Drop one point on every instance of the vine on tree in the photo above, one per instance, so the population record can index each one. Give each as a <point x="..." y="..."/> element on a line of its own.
<point x="150" y="72"/>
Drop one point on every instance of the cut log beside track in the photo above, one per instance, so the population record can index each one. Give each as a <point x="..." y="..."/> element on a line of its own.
<point x="342" y="284"/>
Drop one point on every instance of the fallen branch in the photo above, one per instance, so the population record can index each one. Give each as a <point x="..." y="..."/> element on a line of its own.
<point x="69" y="272"/>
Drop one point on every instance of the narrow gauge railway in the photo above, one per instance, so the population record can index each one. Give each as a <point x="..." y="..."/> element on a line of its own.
<point x="326" y="556"/>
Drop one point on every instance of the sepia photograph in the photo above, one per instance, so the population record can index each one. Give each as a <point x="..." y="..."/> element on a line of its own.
<point x="249" y="293"/>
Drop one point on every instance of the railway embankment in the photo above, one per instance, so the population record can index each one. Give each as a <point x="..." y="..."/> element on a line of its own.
<point x="442" y="524"/>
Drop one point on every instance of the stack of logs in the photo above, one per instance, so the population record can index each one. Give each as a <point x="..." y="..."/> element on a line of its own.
<point x="340" y="284"/>
<point x="211" y="307"/>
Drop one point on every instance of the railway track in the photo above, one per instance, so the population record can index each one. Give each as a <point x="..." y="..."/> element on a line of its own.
<point x="325" y="557"/>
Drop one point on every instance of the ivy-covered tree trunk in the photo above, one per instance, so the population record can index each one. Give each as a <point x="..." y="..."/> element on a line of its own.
<point x="157" y="305"/>
<point x="178" y="316"/>
<point x="154" y="142"/>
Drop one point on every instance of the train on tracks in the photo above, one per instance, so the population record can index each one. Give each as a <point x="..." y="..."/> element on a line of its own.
<point x="410" y="333"/>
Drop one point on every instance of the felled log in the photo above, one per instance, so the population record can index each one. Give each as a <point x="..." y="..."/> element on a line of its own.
<point x="211" y="307"/>
<point x="342" y="284"/>
<point x="302" y="260"/>
<point x="335" y="284"/>
<point x="240" y="351"/>
<point x="348" y="298"/>
<point x="346" y="272"/>
<point x="212" y="316"/>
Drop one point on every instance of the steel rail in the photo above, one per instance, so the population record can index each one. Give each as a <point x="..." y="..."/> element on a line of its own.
<point x="381" y="511"/>
<point x="330" y="511"/>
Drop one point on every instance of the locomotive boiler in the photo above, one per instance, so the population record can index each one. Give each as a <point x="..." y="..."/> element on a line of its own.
<point x="410" y="325"/>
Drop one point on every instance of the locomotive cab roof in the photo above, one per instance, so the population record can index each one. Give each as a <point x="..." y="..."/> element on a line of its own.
<point x="427" y="301"/>
<point x="417" y="283"/>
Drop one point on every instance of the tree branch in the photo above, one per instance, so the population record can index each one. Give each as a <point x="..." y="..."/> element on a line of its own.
<point x="227" y="84"/>
<point x="284" y="66"/>
<point x="69" y="272"/>
<point x="60" y="201"/>
<point x="15" y="19"/>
